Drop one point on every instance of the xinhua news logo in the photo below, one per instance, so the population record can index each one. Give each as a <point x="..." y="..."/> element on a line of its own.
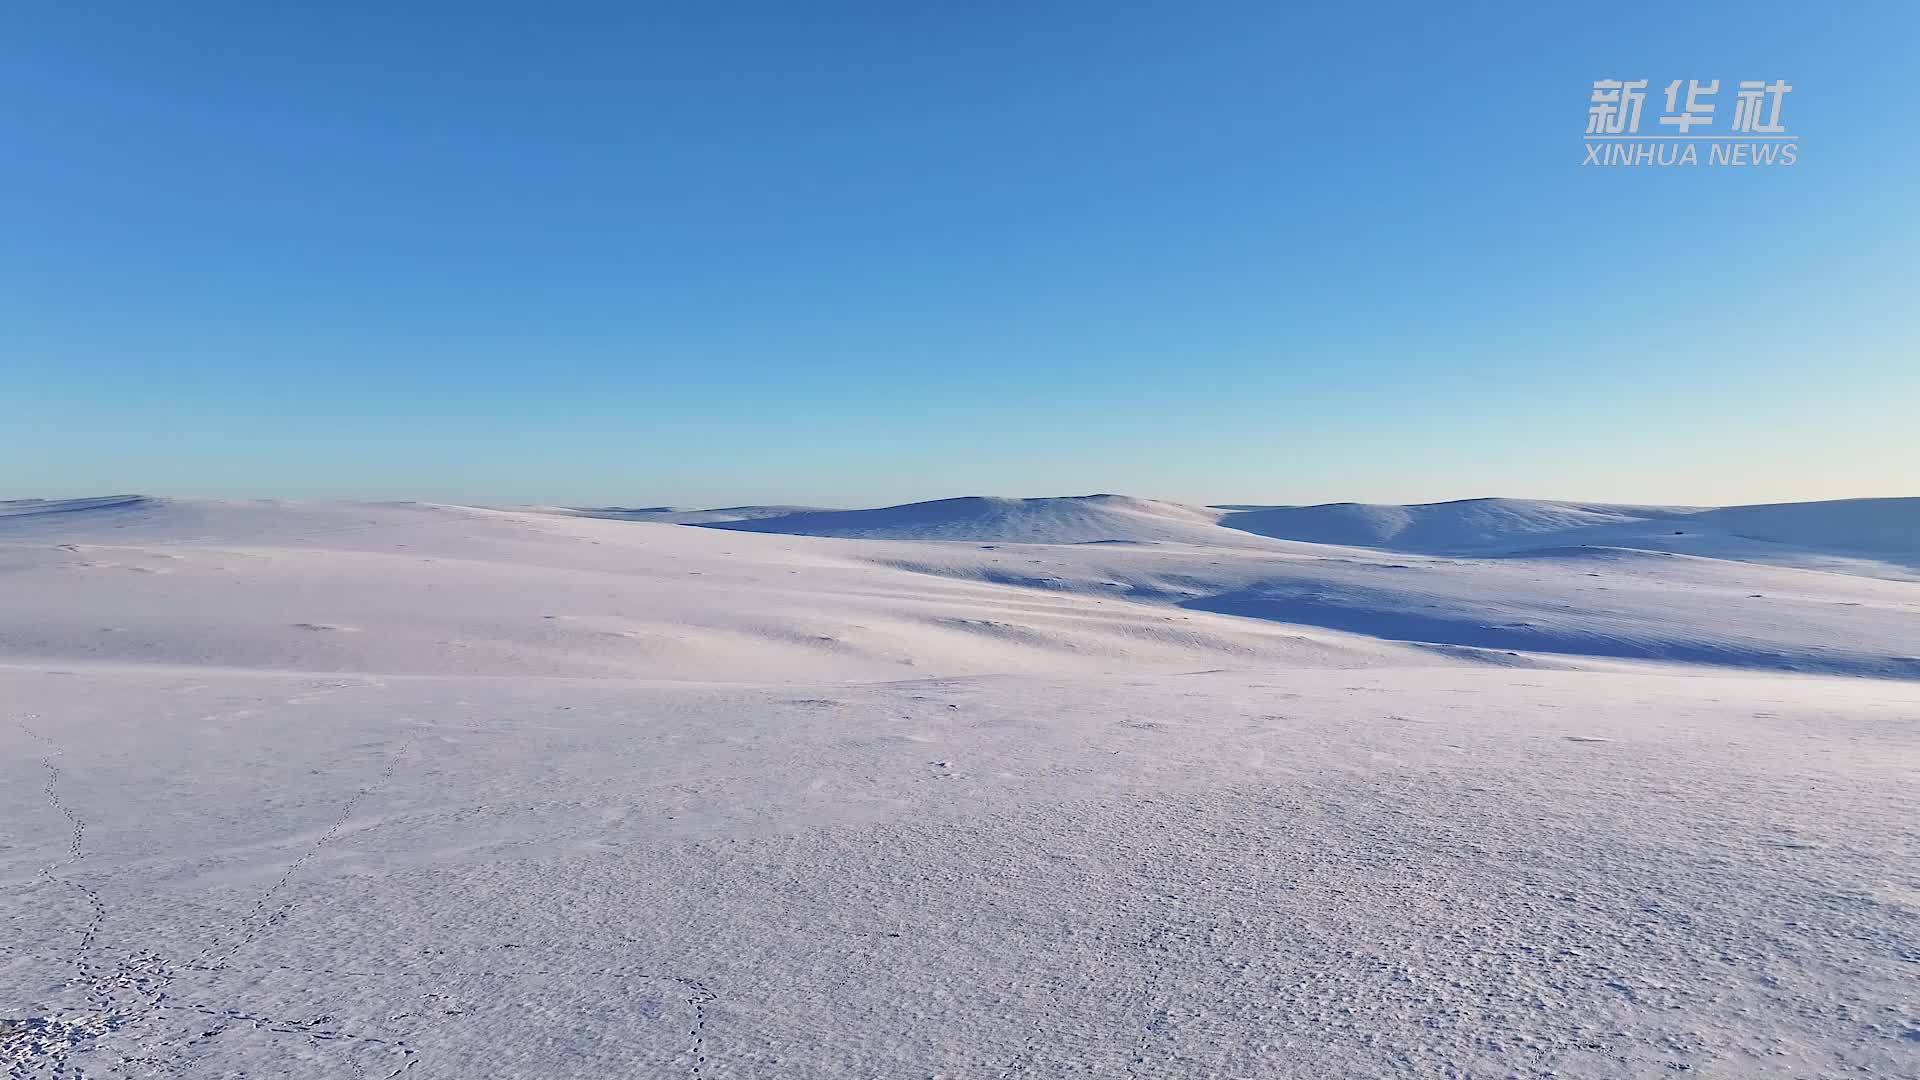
<point x="1755" y="133"/>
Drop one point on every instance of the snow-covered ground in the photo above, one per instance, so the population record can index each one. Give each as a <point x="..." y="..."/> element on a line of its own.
<point x="975" y="788"/>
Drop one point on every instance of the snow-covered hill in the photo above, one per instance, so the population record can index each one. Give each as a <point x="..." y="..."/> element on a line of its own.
<point x="1580" y="601"/>
<point x="1073" y="520"/>
<point x="436" y="589"/>
<point x="36" y="507"/>
<point x="1450" y="527"/>
<point x="675" y="515"/>
<point x="1880" y="537"/>
<point x="1874" y="537"/>
<point x="1875" y="526"/>
<point x="415" y="588"/>
<point x="401" y="790"/>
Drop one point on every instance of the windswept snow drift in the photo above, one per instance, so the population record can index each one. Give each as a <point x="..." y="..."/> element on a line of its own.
<point x="994" y="788"/>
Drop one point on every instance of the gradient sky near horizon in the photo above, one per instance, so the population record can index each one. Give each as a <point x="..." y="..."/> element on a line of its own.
<point x="861" y="253"/>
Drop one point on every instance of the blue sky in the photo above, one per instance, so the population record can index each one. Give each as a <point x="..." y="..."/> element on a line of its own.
<point x="711" y="253"/>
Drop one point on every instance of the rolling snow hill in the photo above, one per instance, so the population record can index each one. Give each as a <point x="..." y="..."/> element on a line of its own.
<point x="1470" y="525"/>
<point x="1875" y="536"/>
<point x="416" y="588"/>
<point x="1072" y="520"/>
<point x="409" y="791"/>
<point x="674" y="515"/>
<point x="1080" y="582"/>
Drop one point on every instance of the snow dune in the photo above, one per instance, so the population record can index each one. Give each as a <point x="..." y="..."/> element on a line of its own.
<point x="1450" y="527"/>
<point x="1890" y="526"/>
<point x="1592" y="602"/>
<point x="674" y="515"/>
<point x="1877" y="537"/>
<point x="1074" y="520"/>
<point x="1073" y="583"/>
<point x="26" y="507"/>
<point x="436" y="590"/>
<point x="973" y="788"/>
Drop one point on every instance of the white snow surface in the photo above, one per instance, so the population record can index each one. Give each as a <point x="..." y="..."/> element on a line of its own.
<point x="1875" y="536"/>
<point x="1879" y="537"/>
<point x="974" y="788"/>
<point x="1075" y="520"/>
<point x="679" y="515"/>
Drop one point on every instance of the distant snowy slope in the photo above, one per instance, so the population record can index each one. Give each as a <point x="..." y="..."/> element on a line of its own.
<point x="1880" y="537"/>
<point x="421" y="588"/>
<point x="148" y="519"/>
<point x="1594" y="601"/>
<point x="26" y="507"/>
<point x="1464" y="525"/>
<point x="1890" y="526"/>
<point x="1072" y="520"/>
<point x="1871" y="537"/>
<point x="675" y="515"/>
<point x="1876" y="537"/>
<point x="425" y="589"/>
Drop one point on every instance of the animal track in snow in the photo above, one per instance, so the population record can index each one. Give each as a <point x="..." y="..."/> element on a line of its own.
<point x="134" y="990"/>
<point x="259" y="905"/>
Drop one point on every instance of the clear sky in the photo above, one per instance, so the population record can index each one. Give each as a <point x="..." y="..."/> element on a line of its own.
<point x="861" y="253"/>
